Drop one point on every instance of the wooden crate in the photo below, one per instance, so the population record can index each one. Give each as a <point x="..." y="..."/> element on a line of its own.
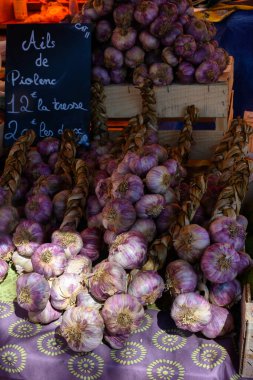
<point x="214" y="101"/>
<point x="246" y="335"/>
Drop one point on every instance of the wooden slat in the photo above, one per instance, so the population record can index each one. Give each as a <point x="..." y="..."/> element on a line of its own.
<point x="124" y="101"/>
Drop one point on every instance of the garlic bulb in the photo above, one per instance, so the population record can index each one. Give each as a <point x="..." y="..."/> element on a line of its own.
<point x="158" y="150"/>
<point x="83" y="328"/>
<point x="95" y="221"/>
<point x="147" y="286"/>
<point x="190" y="311"/>
<point x="158" y="180"/>
<point x="142" y="163"/>
<point x="27" y="237"/>
<point x="180" y="277"/>
<point x="33" y="291"/>
<point x="228" y="230"/>
<point x="109" y="237"/>
<point x="150" y="205"/>
<point x="116" y="341"/>
<point x="80" y="265"/>
<point x="167" y="217"/>
<point x="22" y="263"/>
<point x="123" y="166"/>
<point x="122" y="314"/>
<point x="4" y="267"/>
<point x="6" y="247"/>
<point x="191" y="242"/>
<point x="107" y="279"/>
<point x="9" y="219"/>
<point x="39" y="208"/>
<point x="93" y="206"/>
<point x="84" y="298"/>
<point x="220" y="263"/>
<point x="220" y="324"/>
<point x="118" y="215"/>
<point x="49" y="260"/>
<point x="47" y="315"/>
<point x="147" y="227"/>
<point x="92" y="243"/>
<point x="245" y="263"/>
<point x="129" y="250"/>
<point x="103" y="191"/>
<point x="242" y="220"/>
<point x="64" y="291"/>
<point x="225" y="294"/>
<point x="70" y="241"/>
<point x="129" y="186"/>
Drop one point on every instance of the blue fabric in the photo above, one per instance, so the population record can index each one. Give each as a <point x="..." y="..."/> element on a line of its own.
<point x="235" y="34"/>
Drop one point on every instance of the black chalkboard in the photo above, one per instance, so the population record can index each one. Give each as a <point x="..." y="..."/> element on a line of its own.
<point x="47" y="80"/>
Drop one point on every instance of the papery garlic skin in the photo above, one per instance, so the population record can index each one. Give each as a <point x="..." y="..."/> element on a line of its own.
<point x="27" y="237"/>
<point x="64" y="291"/>
<point x="147" y="286"/>
<point x="246" y="262"/>
<point x="70" y="241"/>
<point x="103" y="191"/>
<point x="84" y="298"/>
<point x="92" y="243"/>
<point x="220" y="262"/>
<point x="190" y="311"/>
<point x="180" y="277"/>
<point x="130" y="187"/>
<point x="141" y="164"/>
<point x="191" y="242"/>
<point x="129" y="250"/>
<point x="225" y="294"/>
<point x="107" y="279"/>
<point x="167" y="217"/>
<point x="49" y="260"/>
<point x="147" y="227"/>
<point x="39" y="208"/>
<point x="6" y="247"/>
<point x="47" y="315"/>
<point x="95" y="221"/>
<point x="150" y="206"/>
<point x="122" y="314"/>
<point x="116" y="341"/>
<point x="4" y="267"/>
<point x="80" y="265"/>
<point x="158" y="180"/>
<point x="228" y="230"/>
<point x="83" y="328"/>
<point x="221" y="323"/>
<point x="109" y="236"/>
<point x="9" y="219"/>
<point x="158" y="150"/>
<point x="22" y="263"/>
<point x="118" y="215"/>
<point x="33" y="291"/>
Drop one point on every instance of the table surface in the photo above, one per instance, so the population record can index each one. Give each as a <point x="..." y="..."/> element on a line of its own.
<point x="156" y="351"/>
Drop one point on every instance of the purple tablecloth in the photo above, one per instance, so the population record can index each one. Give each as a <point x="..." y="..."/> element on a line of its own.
<point x="156" y="351"/>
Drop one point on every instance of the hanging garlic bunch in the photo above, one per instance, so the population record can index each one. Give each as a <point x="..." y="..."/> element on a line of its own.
<point x="83" y="328"/>
<point x="107" y="279"/>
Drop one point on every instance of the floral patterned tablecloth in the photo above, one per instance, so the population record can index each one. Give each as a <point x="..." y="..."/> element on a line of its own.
<point x="156" y="351"/>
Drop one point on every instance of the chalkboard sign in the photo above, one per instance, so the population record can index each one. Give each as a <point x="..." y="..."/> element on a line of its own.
<point x="47" y="80"/>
